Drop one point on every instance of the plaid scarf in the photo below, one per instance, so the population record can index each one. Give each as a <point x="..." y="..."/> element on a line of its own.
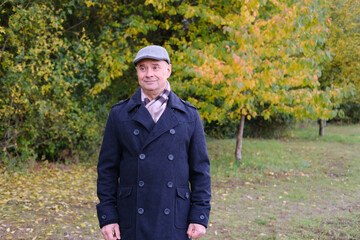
<point x="157" y="106"/>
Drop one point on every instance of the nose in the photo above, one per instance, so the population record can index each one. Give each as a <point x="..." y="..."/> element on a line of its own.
<point x="149" y="72"/>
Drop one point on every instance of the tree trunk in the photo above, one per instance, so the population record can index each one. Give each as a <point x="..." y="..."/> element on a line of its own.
<point x="239" y="139"/>
<point x="322" y="124"/>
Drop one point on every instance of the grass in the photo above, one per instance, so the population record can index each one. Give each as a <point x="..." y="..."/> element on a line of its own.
<point x="301" y="187"/>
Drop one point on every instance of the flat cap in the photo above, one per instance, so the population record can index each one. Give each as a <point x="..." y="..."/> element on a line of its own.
<point x="152" y="52"/>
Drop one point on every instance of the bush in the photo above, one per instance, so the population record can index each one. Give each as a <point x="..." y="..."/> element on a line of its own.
<point x="227" y="129"/>
<point x="351" y="112"/>
<point x="274" y="127"/>
<point x="45" y="105"/>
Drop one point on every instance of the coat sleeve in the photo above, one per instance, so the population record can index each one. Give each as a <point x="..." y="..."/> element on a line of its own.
<point x="200" y="181"/>
<point x="108" y="173"/>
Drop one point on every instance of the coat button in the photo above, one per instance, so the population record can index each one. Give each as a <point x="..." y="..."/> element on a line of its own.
<point x="172" y="131"/>
<point x="140" y="211"/>
<point x="142" y="156"/>
<point x="187" y="195"/>
<point x="170" y="184"/>
<point x="202" y="217"/>
<point x="103" y="217"/>
<point x="136" y="132"/>
<point x="141" y="183"/>
<point x="171" y="157"/>
<point x="166" y="211"/>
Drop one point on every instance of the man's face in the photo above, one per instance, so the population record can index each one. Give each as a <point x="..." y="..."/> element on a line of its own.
<point x="152" y="76"/>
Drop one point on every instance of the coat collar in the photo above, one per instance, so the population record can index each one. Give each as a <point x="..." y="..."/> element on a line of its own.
<point x="141" y="114"/>
<point x="173" y="102"/>
<point x="176" y="102"/>
<point x="135" y="100"/>
<point x="167" y="121"/>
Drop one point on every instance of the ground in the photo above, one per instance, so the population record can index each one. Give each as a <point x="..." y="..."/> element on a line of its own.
<point x="300" y="187"/>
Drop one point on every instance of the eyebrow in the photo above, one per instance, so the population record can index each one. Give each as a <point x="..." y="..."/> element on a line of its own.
<point x="152" y="64"/>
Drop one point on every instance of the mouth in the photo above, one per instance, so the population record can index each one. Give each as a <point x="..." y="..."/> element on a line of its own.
<point x="150" y="80"/>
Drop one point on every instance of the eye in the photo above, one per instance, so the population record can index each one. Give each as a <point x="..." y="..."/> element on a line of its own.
<point x="156" y="68"/>
<point x="142" y="69"/>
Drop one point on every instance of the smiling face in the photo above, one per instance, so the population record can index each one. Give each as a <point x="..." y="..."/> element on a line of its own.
<point x="152" y="76"/>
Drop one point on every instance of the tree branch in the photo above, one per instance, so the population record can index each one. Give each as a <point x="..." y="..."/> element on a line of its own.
<point x="3" y="48"/>
<point x="76" y="25"/>
<point x="4" y="3"/>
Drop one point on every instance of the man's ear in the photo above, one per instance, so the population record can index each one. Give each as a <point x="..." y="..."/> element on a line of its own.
<point x="169" y="70"/>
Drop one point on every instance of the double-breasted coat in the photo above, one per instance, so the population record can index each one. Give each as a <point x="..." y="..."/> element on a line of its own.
<point x="153" y="178"/>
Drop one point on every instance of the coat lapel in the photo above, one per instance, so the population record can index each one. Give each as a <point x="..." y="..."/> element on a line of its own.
<point x="139" y="113"/>
<point x="167" y="121"/>
<point x="143" y="117"/>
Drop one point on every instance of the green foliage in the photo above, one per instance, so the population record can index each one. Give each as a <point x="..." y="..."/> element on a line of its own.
<point x="46" y="112"/>
<point x="344" y="42"/>
<point x="63" y="64"/>
<point x="225" y="129"/>
<point x="277" y="126"/>
<point x="267" y="64"/>
<point x="351" y="109"/>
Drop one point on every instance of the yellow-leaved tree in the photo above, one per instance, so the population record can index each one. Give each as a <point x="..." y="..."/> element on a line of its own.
<point x="269" y="62"/>
<point x="344" y="42"/>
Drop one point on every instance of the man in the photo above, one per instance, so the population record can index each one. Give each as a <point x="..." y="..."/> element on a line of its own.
<point x="153" y="171"/>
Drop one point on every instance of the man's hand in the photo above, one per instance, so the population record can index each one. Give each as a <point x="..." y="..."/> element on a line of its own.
<point x="111" y="231"/>
<point x="196" y="231"/>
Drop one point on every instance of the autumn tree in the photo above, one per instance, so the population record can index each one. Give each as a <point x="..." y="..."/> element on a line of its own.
<point x="344" y="44"/>
<point x="269" y="63"/>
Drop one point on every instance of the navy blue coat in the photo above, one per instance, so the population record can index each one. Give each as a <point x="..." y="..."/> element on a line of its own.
<point x="153" y="179"/>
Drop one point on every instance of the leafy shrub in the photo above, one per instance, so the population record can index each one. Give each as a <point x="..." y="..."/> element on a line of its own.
<point x="274" y="127"/>
<point x="351" y="112"/>
<point x="45" y="105"/>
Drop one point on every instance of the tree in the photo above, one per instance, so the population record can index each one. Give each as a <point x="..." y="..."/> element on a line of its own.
<point x="273" y="52"/>
<point x="344" y="43"/>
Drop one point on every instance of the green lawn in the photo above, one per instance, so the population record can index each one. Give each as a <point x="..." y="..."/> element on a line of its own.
<point x="301" y="187"/>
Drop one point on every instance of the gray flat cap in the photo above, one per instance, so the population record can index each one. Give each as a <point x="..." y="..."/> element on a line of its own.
<point x="152" y="52"/>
